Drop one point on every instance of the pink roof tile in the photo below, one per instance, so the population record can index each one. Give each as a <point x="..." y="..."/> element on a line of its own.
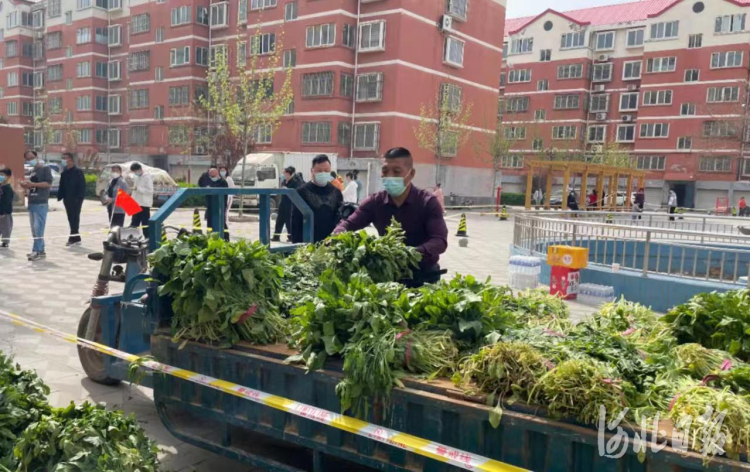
<point x="608" y="14"/>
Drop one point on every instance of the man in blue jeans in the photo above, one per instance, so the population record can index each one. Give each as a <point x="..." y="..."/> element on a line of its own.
<point x="37" y="190"/>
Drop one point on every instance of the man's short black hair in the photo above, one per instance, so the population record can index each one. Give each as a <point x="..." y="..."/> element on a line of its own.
<point x="68" y="155"/>
<point x="320" y="159"/>
<point x="135" y="167"/>
<point x="291" y="170"/>
<point x="32" y="152"/>
<point x="398" y="153"/>
<point x="6" y="171"/>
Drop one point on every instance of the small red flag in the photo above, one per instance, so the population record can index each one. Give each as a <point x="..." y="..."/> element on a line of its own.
<point x="126" y="202"/>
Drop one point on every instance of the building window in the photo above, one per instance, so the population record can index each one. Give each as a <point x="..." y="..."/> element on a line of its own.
<point x="290" y="58"/>
<point x="372" y="36"/>
<point x="68" y="84"/>
<point x="179" y="56"/>
<point x="290" y="11"/>
<point x="599" y="103"/>
<point x="687" y="109"/>
<point x="179" y="95"/>
<point x="597" y="134"/>
<point x="68" y="51"/>
<point x="12" y="108"/>
<point x="54" y="72"/>
<point x="320" y="35"/>
<point x="54" y="9"/>
<point x="83" y="35"/>
<point x="54" y="40"/>
<point x="635" y="38"/>
<point x="159" y="112"/>
<point x="665" y="30"/>
<point x="202" y="15"/>
<point x="603" y="72"/>
<point x="718" y="129"/>
<point x="84" y="136"/>
<point x="567" y="102"/>
<point x="263" y="134"/>
<point x="138" y="135"/>
<point x="115" y="70"/>
<point x="113" y="138"/>
<point x="545" y="55"/>
<point x="457" y="8"/>
<point x="631" y="70"/>
<point x="178" y="135"/>
<point x="650" y="162"/>
<point x="55" y="105"/>
<point x="218" y="15"/>
<point x="515" y="133"/>
<point x="100" y="103"/>
<point x="517" y="105"/>
<point x="100" y="70"/>
<point x="451" y="96"/>
<point x="115" y="35"/>
<point x="448" y="144"/>
<point x="692" y="75"/>
<point x="730" y="23"/>
<point x="521" y="46"/>
<point x="180" y="15"/>
<point x="201" y="56"/>
<point x="28" y="49"/>
<point x="38" y="80"/>
<point x="344" y="134"/>
<point x="101" y="35"/>
<point x="540" y="115"/>
<point x="68" y="17"/>
<point x="140" y="23"/>
<point x="11" y="49"/>
<point x="657" y="97"/>
<point x="263" y="44"/>
<point x="626" y="133"/>
<point x="83" y="69"/>
<point x="347" y="85"/>
<point x="573" y="40"/>
<point x="261" y="4"/>
<point x="695" y="41"/>
<point x="317" y="85"/>
<point x="519" y="75"/>
<point x="564" y="132"/>
<point x="370" y="87"/>
<point x="716" y="164"/>
<point x="138" y="99"/>
<point x="661" y="64"/>
<point x="685" y="143"/>
<point x="654" y="130"/>
<point x="605" y="41"/>
<point x="140" y="60"/>
<point x="537" y="145"/>
<point x="115" y="105"/>
<point x="542" y="85"/>
<point x="83" y="4"/>
<point x="219" y="50"/>
<point x="570" y="71"/>
<point x="242" y="12"/>
<point x="512" y="162"/>
<point x="349" y="36"/>
<point x="158" y="73"/>
<point x="723" y="94"/>
<point x="318" y="132"/>
<point x="453" y="53"/>
<point x="242" y="53"/>
<point x="12" y="79"/>
<point x="723" y="60"/>
<point x="366" y="136"/>
<point x="83" y="103"/>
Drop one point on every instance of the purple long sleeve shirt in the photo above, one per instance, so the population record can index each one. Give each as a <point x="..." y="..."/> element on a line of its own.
<point x="420" y="215"/>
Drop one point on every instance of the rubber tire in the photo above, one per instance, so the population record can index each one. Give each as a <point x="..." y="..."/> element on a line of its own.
<point x="92" y="361"/>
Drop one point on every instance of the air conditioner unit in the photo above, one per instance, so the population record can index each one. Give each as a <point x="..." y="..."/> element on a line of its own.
<point x="632" y="87"/>
<point x="603" y="57"/>
<point x="446" y="23"/>
<point x="597" y="148"/>
<point x="600" y="88"/>
<point x="601" y="117"/>
<point x="627" y="118"/>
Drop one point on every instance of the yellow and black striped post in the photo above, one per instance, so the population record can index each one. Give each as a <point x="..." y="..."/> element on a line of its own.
<point x="609" y="218"/>
<point x="504" y="213"/>
<point x="462" y="227"/>
<point x="197" y="228"/>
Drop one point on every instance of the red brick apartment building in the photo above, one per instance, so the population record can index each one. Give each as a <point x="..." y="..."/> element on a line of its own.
<point x="663" y="80"/>
<point x="124" y="72"/>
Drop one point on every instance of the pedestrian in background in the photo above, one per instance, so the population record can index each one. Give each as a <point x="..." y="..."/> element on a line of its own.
<point x="743" y="206"/>
<point x="71" y="192"/>
<point x="323" y="199"/>
<point x="337" y="181"/>
<point x="593" y="198"/>
<point x="672" y="203"/>
<point x="215" y="181"/>
<point x="37" y="190"/>
<point x="350" y="190"/>
<point x="440" y="197"/>
<point x="116" y="214"/>
<point x="360" y="187"/>
<point x="292" y="180"/>
<point x="224" y="174"/>
<point x="572" y="201"/>
<point x="143" y="194"/>
<point x="6" y="207"/>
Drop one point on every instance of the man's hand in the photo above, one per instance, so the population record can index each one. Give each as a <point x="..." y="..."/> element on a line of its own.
<point x="26" y="184"/>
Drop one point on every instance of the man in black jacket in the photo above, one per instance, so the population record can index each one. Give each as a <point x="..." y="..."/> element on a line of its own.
<point x="71" y="192"/>
<point x="292" y="180"/>
<point x="6" y="207"/>
<point x="323" y="199"/>
<point x="215" y="180"/>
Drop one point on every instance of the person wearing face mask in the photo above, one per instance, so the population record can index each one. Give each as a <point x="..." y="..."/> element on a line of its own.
<point x="417" y="210"/>
<point x="143" y="194"/>
<point x="116" y="214"/>
<point x="215" y="180"/>
<point x="323" y="199"/>
<point x="37" y="191"/>
<point x="6" y="207"/>
<point x="71" y="193"/>
<point x="292" y="180"/>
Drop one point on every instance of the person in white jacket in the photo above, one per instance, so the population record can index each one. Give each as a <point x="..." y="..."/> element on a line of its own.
<point x="672" y="203"/>
<point x="143" y="194"/>
<point x="350" y="191"/>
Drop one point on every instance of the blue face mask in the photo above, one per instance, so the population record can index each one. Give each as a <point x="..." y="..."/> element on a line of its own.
<point x="32" y="162"/>
<point x="323" y="178"/>
<point x="395" y="186"/>
<point x="2" y="178"/>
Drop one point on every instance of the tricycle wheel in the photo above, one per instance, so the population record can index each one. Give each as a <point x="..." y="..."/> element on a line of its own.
<point x="93" y="361"/>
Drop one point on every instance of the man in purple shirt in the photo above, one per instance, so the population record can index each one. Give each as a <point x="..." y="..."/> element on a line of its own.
<point x="417" y="210"/>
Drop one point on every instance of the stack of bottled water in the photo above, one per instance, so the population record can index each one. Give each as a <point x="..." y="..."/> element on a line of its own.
<point x="595" y="295"/>
<point x="523" y="272"/>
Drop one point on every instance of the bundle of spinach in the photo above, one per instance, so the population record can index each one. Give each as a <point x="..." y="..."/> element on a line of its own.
<point x="534" y="308"/>
<point x="716" y="321"/>
<point x="85" y="437"/>
<point x="302" y="271"/>
<point x="222" y="292"/>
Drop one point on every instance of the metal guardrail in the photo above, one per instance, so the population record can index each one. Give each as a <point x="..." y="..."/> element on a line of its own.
<point x="700" y="255"/>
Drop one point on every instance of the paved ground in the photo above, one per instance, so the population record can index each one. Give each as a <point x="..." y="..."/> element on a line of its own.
<point x="54" y="292"/>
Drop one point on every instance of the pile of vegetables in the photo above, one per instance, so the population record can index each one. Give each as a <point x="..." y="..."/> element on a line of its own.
<point x="35" y="437"/>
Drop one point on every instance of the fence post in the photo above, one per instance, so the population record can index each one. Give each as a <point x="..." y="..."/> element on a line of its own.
<point x="575" y="228"/>
<point x="703" y="229"/>
<point x="646" y="253"/>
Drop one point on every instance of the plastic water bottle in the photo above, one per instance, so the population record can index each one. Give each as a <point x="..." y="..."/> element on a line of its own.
<point x="524" y="271"/>
<point x="595" y="295"/>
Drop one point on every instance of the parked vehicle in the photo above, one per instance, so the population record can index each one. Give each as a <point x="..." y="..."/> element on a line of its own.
<point x="164" y="185"/>
<point x="55" y="179"/>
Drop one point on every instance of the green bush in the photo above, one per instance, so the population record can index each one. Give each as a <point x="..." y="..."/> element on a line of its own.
<point x="513" y="199"/>
<point x="91" y="186"/>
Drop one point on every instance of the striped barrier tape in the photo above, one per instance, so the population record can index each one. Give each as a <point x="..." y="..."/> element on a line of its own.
<point x="433" y="450"/>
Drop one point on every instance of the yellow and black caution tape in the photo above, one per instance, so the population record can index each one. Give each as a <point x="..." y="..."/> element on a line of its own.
<point x="433" y="450"/>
